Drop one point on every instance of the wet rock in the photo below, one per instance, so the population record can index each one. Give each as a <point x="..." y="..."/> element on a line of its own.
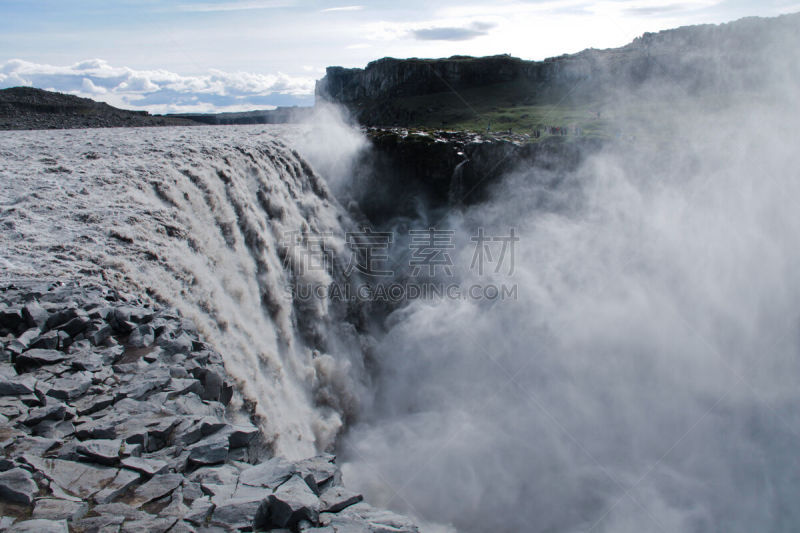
<point x="80" y="479"/>
<point x="17" y="486"/>
<point x="93" y="403"/>
<point x="241" y="435"/>
<point x="52" y="411"/>
<point x="17" y="386"/>
<point x="102" y="428"/>
<point x="40" y="526"/>
<point x="148" y="467"/>
<point x="75" y="326"/>
<point x="105" y="419"/>
<point x="142" y="336"/>
<point x="151" y="525"/>
<point x="35" y="315"/>
<point x="11" y="320"/>
<point x="376" y="520"/>
<point x="61" y="317"/>
<point x="47" y="341"/>
<point x="124" y="480"/>
<point x="237" y="513"/>
<point x="33" y="445"/>
<point x="58" y="509"/>
<point x="268" y="474"/>
<point x="180" y="387"/>
<point x="97" y="332"/>
<point x="107" y="523"/>
<point x="72" y="387"/>
<point x="140" y="387"/>
<point x="120" y="509"/>
<point x="101" y="451"/>
<point x="336" y="499"/>
<point x="321" y="468"/>
<point x="288" y="505"/>
<point x="216" y="475"/>
<point x="53" y="429"/>
<point x="175" y="344"/>
<point x="210" y="451"/>
<point x="158" y="487"/>
<point x="200" y="511"/>
<point x="38" y="357"/>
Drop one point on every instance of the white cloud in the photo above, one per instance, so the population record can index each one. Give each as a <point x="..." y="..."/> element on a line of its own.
<point x="232" y="6"/>
<point x="162" y="90"/>
<point x="88" y="87"/>
<point x="342" y="8"/>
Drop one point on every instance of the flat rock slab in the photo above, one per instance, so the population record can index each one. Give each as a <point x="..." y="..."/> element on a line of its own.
<point x="17" y="486"/>
<point x="39" y="357"/>
<point x="101" y="451"/>
<point x="375" y="519"/>
<point x="58" y="509"/>
<point x="71" y="387"/>
<point x="80" y="479"/>
<point x="269" y="474"/>
<point x="288" y="505"/>
<point x="241" y="435"/>
<point x="336" y="499"/>
<point x="17" y="386"/>
<point x="124" y="480"/>
<point x="158" y="487"/>
<point x="149" y="467"/>
<point x="150" y="525"/>
<point x="210" y="451"/>
<point x="321" y="467"/>
<point x="40" y="526"/>
<point x="236" y="513"/>
<point x="216" y="475"/>
<point x="52" y="411"/>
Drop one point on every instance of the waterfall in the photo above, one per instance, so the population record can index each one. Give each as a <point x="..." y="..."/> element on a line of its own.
<point x="199" y="219"/>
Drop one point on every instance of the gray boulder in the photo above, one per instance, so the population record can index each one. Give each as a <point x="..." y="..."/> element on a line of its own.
<point x="17" y="386"/>
<point x="124" y="480"/>
<point x="39" y="357"/>
<point x="210" y="451"/>
<point x="268" y="474"/>
<point x="35" y="315"/>
<point x="148" y="467"/>
<point x="71" y="387"/>
<point x="101" y="451"/>
<point x="17" y="486"/>
<point x="40" y="526"/>
<point x="58" y="509"/>
<point x="336" y="499"/>
<point x="291" y="503"/>
<point x="158" y="487"/>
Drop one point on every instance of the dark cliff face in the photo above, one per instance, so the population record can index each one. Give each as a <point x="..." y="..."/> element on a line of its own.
<point x="737" y="55"/>
<point x="405" y="173"/>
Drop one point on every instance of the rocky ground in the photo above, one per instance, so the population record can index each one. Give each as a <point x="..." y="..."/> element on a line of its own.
<point x="116" y="416"/>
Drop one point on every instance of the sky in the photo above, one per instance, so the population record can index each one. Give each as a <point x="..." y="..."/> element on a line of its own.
<point x="234" y="55"/>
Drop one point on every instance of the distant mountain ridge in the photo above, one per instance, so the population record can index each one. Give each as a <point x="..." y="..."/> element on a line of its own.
<point x="728" y="55"/>
<point x="31" y="108"/>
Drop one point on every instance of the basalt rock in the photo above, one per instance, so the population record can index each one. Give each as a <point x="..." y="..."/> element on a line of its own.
<point x="125" y="438"/>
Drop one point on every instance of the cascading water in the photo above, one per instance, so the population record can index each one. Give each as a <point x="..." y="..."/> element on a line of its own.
<point x="203" y="220"/>
<point x="643" y="380"/>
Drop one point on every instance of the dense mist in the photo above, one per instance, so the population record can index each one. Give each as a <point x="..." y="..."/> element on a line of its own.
<point x="645" y="378"/>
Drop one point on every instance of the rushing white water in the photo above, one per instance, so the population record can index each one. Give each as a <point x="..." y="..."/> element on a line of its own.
<point x="644" y="379"/>
<point x="197" y="218"/>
